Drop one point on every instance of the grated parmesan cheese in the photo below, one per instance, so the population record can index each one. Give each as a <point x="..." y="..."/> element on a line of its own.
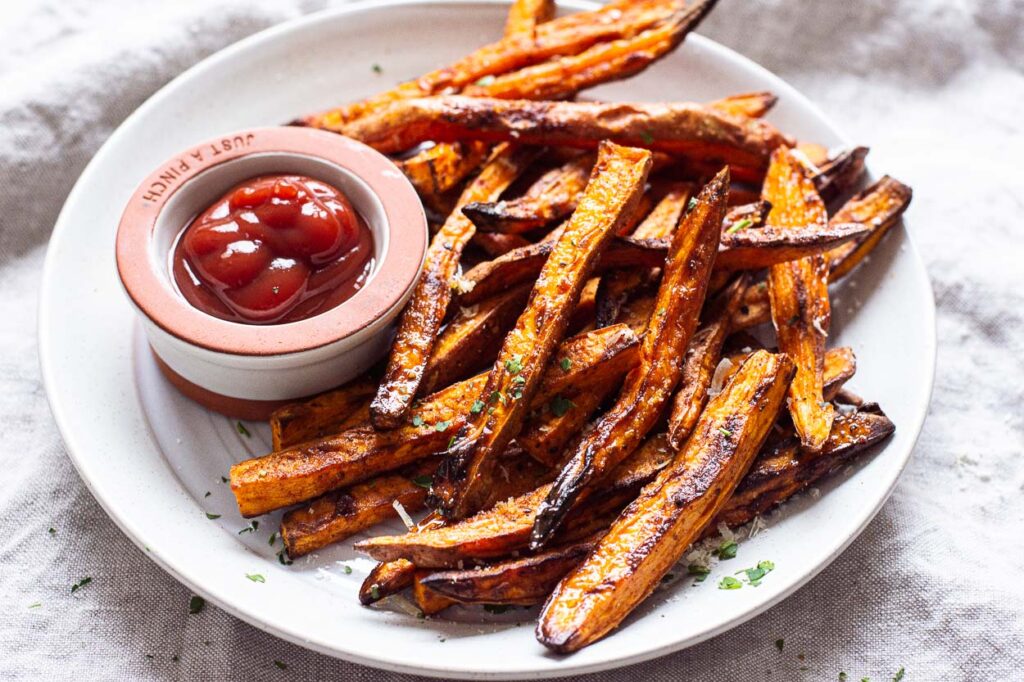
<point x="718" y="378"/>
<point x="404" y="515"/>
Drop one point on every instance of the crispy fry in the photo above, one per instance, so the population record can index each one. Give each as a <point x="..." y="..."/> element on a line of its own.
<point x="798" y="292"/>
<point x="652" y="533"/>
<point x="880" y="207"/>
<point x="617" y="286"/>
<point x="495" y="245"/>
<point x="560" y="420"/>
<point x="613" y="191"/>
<point x="553" y="196"/>
<point x="441" y="168"/>
<point x="749" y="105"/>
<point x="421" y="320"/>
<point x="691" y="130"/>
<point x="303" y="472"/>
<point x="471" y="340"/>
<point x="702" y="356"/>
<point x="753" y="249"/>
<point x="648" y="387"/>
<point x="525" y="15"/>
<point x="505" y="527"/>
<point x="840" y="174"/>
<point x="745" y="216"/>
<point x="840" y="366"/>
<point x="563" y="36"/>
<point x="316" y="417"/>
<point x="386" y="579"/>
<point x="604" y="62"/>
<point x="777" y="474"/>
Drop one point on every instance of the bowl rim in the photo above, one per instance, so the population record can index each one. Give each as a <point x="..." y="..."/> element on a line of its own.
<point x="395" y="275"/>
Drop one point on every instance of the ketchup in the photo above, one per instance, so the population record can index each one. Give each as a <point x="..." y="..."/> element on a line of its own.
<point x="277" y="248"/>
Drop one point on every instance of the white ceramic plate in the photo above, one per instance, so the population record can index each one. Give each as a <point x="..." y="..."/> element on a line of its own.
<point x="151" y="457"/>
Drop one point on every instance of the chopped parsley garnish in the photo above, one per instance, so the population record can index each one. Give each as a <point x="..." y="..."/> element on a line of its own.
<point x="196" y="604"/>
<point x="497" y="396"/>
<point x="514" y="365"/>
<point x="347" y="570"/>
<point x="485" y="81"/>
<point x="442" y="426"/>
<point x="899" y="675"/>
<point x="251" y="528"/>
<point x="35" y="605"/>
<point x="451" y="442"/>
<point x="646" y="137"/>
<point x="277" y="663"/>
<point x="283" y="560"/>
<point x="256" y="577"/>
<point x="560" y="405"/>
<point x="691" y="204"/>
<point x="80" y="584"/>
<point x="724" y="431"/>
<point x="423" y="481"/>
<point x="272" y="539"/>
<point x="754" y="575"/>
<point x="212" y="516"/>
<point x="52" y="531"/>
<point x="565" y="364"/>
<point x="729" y="583"/>
<point x="477" y="407"/>
<point x="698" y="571"/>
<point x="727" y="550"/>
<point x="242" y="430"/>
<point x="275" y="289"/>
<point x="842" y="677"/>
<point x="375" y="591"/>
<point x="223" y="479"/>
<point x="779" y="643"/>
<point x="417" y="420"/>
<point x="376" y="69"/>
<point x="207" y="494"/>
<point x="739" y="225"/>
<point x="496" y="608"/>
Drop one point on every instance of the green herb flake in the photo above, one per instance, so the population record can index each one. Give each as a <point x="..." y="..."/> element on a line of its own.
<point x="376" y="69"/>
<point x="196" y="604"/>
<point x="275" y="289"/>
<point x="646" y="137"/>
<point x="514" y="365"/>
<point x="272" y="539"/>
<point x="727" y="550"/>
<point x="223" y="479"/>
<point x="80" y="584"/>
<point x="442" y="426"/>
<point x="35" y="605"/>
<point x="477" y="407"/>
<point x="691" y="204"/>
<point x="843" y="677"/>
<point x="754" y="575"/>
<point x="423" y="481"/>
<point x="208" y="493"/>
<point x="497" y="396"/>
<point x="256" y="577"/>
<point x="560" y="405"/>
<point x="496" y="608"/>
<point x="242" y="430"/>
<point x="280" y="665"/>
<point x="729" y="583"/>
<point x="565" y="364"/>
<point x="725" y="432"/>
<point x="347" y="570"/>
<point x="375" y="591"/>
<point x="779" y="643"/>
<point x="251" y="528"/>
<point x="485" y="81"/>
<point x="698" y="571"/>
<point x="212" y="516"/>
<point x="899" y="675"/>
<point x="51" y="531"/>
<point x="451" y="442"/>
<point x="417" y="420"/>
<point x="739" y="225"/>
<point x="284" y="560"/>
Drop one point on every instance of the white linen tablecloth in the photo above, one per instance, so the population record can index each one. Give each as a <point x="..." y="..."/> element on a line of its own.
<point x="934" y="585"/>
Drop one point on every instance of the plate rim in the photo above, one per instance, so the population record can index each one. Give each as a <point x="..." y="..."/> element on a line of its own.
<point x="561" y="666"/>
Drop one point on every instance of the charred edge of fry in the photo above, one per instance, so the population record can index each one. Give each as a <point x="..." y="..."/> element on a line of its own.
<point x="316" y="417"/>
<point x="753" y="249"/>
<point x="841" y="173"/>
<point x="879" y="206"/>
<point x="544" y="438"/>
<point x="749" y="104"/>
<point x="702" y="358"/>
<point x="840" y="366"/>
<point x="616" y="185"/>
<point x="680" y="298"/>
<point x="424" y="313"/>
<point x="386" y="579"/>
<point x="652" y="533"/>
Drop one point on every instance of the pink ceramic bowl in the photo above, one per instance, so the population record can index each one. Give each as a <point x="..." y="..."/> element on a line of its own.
<point x="248" y="370"/>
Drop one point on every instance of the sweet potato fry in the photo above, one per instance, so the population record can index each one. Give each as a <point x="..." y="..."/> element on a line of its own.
<point x="652" y="533"/>
<point x="617" y="286"/>
<point x="471" y="340"/>
<point x="559" y="421"/>
<point x="880" y="207"/>
<point x="749" y="105"/>
<point x="841" y="173"/>
<point x="746" y="216"/>
<point x="385" y="579"/>
<point x="316" y="417"/>
<point x="690" y="130"/>
<point x="777" y="474"/>
<point x="310" y="469"/>
<point x="798" y="292"/>
<point x="563" y="36"/>
<point x="525" y="15"/>
<point x="702" y="357"/>
<point x="613" y="191"/>
<point x="753" y="249"/>
<point x="441" y="168"/>
<point x="421" y="320"/>
<point x="495" y="245"/>
<point x="505" y="527"/>
<point x="648" y="387"/>
<point x="604" y="62"/>
<point x="553" y="196"/>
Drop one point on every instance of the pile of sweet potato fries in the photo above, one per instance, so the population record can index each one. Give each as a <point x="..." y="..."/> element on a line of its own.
<point x="574" y="392"/>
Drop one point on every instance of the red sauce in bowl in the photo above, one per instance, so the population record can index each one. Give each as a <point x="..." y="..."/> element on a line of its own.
<point x="274" y="249"/>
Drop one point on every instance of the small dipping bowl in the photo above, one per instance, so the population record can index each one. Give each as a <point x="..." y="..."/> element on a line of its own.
<point x="249" y="370"/>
